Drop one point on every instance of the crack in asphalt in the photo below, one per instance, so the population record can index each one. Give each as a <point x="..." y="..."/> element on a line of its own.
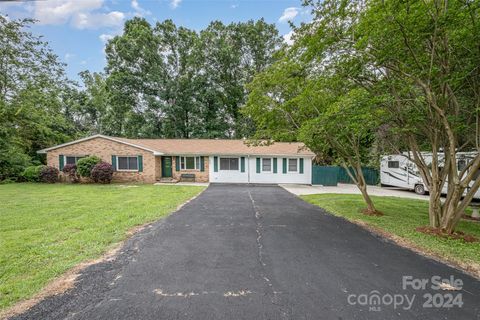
<point x="273" y="294"/>
<point x="258" y="229"/>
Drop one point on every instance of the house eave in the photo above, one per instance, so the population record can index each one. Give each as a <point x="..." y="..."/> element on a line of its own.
<point x="43" y="151"/>
<point x="240" y="154"/>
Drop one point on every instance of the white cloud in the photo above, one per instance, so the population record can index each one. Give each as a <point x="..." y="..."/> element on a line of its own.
<point x="105" y="37"/>
<point x="82" y="14"/>
<point x="288" y="14"/>
<point x="175" y="3"/>
<point x="98" y="20"/>
<point x="234" y="6"/>
<point x="139" y="11"/>
<point x="68" y="56"/>
<point x="59" y="12"/>
<point x="287" y="38"/>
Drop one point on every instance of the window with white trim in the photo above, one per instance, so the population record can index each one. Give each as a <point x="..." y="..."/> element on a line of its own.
<point x="73" y="159"/>
<point x="292" y="165"/>
<point x="189" y="163"/>
<point x="461" y="164"/>
<point x="229" y="164"/>
<point x="267" y="164"/>
<point x="127" y="163"/>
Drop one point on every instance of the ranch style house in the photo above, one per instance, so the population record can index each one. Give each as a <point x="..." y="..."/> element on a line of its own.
<point x="199" y="160"/>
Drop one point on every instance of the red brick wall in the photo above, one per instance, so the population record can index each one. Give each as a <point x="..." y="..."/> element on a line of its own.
<point x="104" y="149"/>
<point x="200" y="176"/>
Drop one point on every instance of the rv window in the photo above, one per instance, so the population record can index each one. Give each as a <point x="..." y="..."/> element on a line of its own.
<point x="394" y="164"/>
<point x="461" y="164"/>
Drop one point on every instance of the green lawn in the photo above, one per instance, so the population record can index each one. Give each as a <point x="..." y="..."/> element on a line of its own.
<point x="47" y="229"/>
<point x="401" y="218"/>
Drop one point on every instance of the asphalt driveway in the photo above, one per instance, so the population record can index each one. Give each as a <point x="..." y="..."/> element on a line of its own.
<point x="259" y="252"/>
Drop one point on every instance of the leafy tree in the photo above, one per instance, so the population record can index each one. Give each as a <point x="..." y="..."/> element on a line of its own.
<point x="232" y="55"/>
<point x="88" y="108"/>
<point x="185" y="84"/>
<point x="346" y="127"/>
<point x="425" y="56"/>
<point x="132" y="68"/>
<point x="332" y="118"/>
<point x="31" y="109"/>
<point x="431" y="47"/>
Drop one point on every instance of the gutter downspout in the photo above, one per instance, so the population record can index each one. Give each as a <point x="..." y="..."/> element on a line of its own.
<point x="248" y="169"/>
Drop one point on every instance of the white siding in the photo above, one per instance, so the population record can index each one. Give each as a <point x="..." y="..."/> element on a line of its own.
<point x="251" y="175"/>
<point x="280" y="177"/>
<point x="229" y="176"/>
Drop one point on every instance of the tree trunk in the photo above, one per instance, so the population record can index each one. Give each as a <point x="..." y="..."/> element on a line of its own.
<point x="359" y="180"/>
<point x="434" y="207"/>
<point x="370" y="206"/>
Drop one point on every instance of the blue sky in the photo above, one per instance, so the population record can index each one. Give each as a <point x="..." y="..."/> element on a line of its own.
<point x="77" y="29"/>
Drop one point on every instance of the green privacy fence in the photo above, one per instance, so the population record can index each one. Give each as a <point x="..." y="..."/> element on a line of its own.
<point x="372" y="175"/>
<point x="331" y="175"/>
<point x="326" y="176"/>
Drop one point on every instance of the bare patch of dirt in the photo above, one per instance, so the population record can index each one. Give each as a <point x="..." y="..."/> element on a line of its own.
<point x="471" y="268"/>
<point x="458" y="235"/>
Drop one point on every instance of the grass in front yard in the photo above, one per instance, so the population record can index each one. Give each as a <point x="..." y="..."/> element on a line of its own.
<point x="47" y="229"/>
<point x="401" y="218"/>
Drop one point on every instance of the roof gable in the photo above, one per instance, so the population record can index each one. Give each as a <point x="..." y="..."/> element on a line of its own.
<point x="99" y="136"/>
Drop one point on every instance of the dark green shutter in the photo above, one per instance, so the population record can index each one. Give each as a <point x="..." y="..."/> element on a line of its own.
<point x="215" y="164"/>
<point x="140" y="164"/>
<point x="301" y="165"/>
<point x="258" y="165"/>
<point x="202" y="164"/>
<point x="114" y="163"/>
<point x="274" y="165"/>
<point x="177" y="163"/>
<point x="284" y="165"/>
<point x="60" y="162"/>
<point x="242" y="164"/>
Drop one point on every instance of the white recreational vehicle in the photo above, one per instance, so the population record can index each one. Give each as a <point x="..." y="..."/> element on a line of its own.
<point x="398" y="171"/>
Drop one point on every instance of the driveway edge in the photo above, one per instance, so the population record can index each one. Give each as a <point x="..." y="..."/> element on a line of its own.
<point x="469" y="269"/>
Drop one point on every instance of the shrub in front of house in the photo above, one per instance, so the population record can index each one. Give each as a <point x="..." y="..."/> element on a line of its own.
<point x="32" y="173"/>
<point x="102" y="173"/>
<point x="7" y="181"/>
<point x="85" y="165"/>
<point x="70" y="171"/>
<point x="48" y="174"/>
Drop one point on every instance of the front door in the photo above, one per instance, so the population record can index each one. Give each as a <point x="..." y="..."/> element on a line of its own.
<point x="166" y="167"/>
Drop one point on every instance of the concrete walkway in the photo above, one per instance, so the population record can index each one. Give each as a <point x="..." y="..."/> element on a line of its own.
<point x="301" y="189"/>
<point x="198" y="184"/>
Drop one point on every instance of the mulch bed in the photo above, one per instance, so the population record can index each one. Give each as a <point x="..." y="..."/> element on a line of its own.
<point x="457" y="235"/>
